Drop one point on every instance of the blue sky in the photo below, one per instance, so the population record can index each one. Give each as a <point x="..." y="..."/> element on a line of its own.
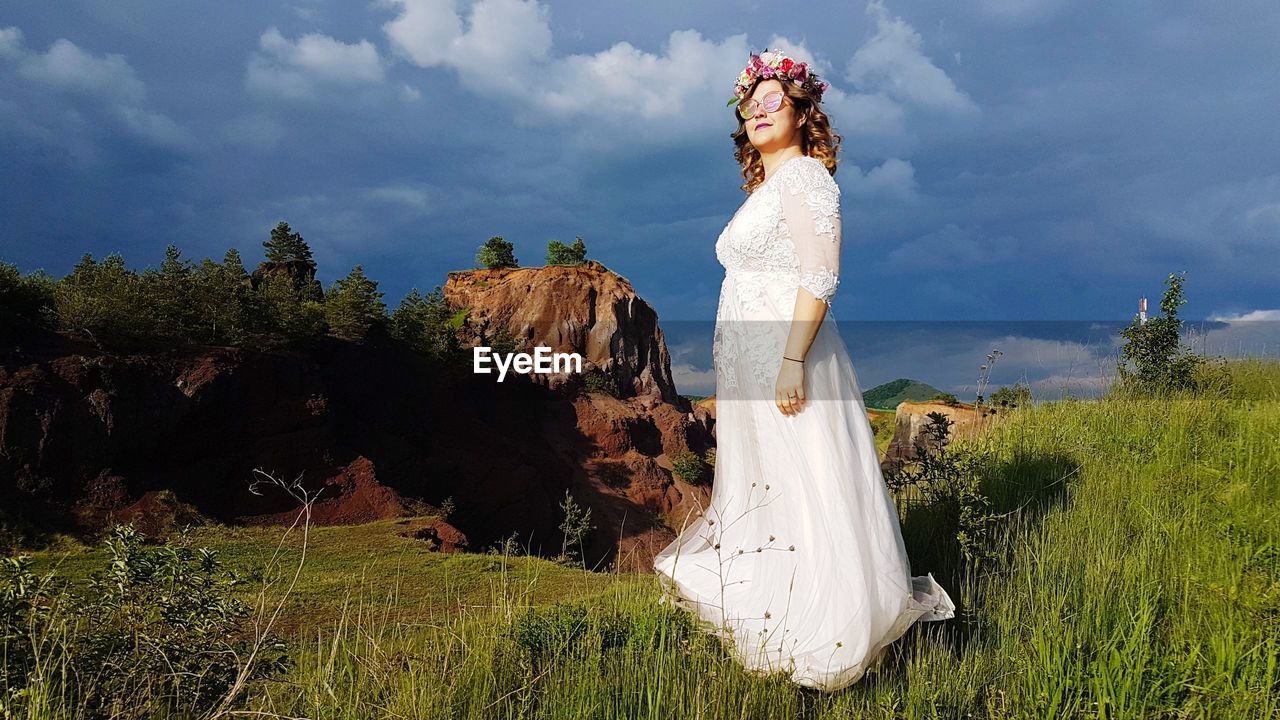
<point x="1002" y="160"/>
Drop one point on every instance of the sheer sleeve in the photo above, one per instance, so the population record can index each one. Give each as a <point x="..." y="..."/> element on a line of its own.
<point x="811" y="209"/>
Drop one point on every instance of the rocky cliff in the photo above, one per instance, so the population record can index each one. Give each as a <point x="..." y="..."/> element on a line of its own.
<point x="91" y="434"/>
<point x="587" y="309"/>
<point x="911" y="418"/>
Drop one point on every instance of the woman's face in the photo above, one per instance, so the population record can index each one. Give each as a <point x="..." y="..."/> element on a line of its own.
<point x="770" y="131"/>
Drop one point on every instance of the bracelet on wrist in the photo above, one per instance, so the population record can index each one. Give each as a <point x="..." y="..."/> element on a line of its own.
<point x="784" y="357"/>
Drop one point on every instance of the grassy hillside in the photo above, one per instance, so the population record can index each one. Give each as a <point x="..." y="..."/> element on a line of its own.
<point x="1135" y="573"/>
<point x="888" y="395"/>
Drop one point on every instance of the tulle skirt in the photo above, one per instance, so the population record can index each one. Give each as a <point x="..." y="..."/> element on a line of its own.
<point x="798" y="560"/>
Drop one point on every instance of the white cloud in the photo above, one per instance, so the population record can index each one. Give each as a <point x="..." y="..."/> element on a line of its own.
<point x="1021" y="11"/>
<point x="66" y="67"/>
<point x="255" y="131"/>
<point x="299" y="68"/>
<point x="1061" y="385"/>
<point x="107" y="78"/>
<point x="893" y="63"/>
<point x="692" y="380"/>
<point x="159" y="129"/>
<point x="1251" y="316"/>
<point x="10" y="43"/>
<point x="949" y="247"/>
<point x="426" y="31"/>
<point x="414" y="197"/>
<point x="863" y="113"/>
<point x="894" y="178"/>
<point x="409" y="93"/>
<point x="503" y="49"/>
<point x="1231" y="226"/>
<point x="310" y="14"/>
<point x="1255" y="333"/>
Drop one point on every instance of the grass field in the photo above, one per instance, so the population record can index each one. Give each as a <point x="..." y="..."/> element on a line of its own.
<point x="1136" y="575"/>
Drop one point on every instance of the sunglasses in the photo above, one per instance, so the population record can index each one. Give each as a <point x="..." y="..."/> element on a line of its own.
<point x="772" y="101"/>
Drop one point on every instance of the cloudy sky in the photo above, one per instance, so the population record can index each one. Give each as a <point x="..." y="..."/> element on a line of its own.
<point x="1035" y="160"/>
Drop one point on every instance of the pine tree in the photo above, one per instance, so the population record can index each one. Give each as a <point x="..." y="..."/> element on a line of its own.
<point x="286" y="245"/>
<point x="428" y="324"/>
<point x="353" y="305"/>
<point x="169" y="295"/>
<point x="104" y="299"/>
<point x="29" y="296"/>
<point x="233" y="265"/>
<point x="276" y="308"/>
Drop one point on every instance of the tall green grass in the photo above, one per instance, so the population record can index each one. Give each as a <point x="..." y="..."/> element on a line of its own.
<point x="1137" y="575"/>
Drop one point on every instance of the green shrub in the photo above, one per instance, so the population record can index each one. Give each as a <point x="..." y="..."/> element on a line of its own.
<point x="429" y="324"/>
<point x="560" y="254"/>
<point x="1012" y="397"/>
<point x="690" y="467"/>
<point x="1160" y="363"/>
<point x="158" y="631"/>
<point x="597" y="380"/>
<point x="574" y="527"/>
<point x="29" y="296"/>
<point x="951" y="482"/>
<point x="543" y="634"/>
<point x="496" y="253"/>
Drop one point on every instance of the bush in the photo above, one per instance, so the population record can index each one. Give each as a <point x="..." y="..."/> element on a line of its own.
<point x="1012" y="397"/>
<point x="158" y="631"/>
<point x="103" y="299"/>
<point x="597" y="380"/>
<point x="690" y="467"/>
<point x="497" y="253"/>
<point x="950" y="481"/>
<point x="574" y="527"/>
<point x="1154" y="348"/>
<point x="29" y="296"/>
<point x="543" y="634"/>
<point x="560" y="254"/>
<point x="429" y="324"/>
<point x="884" y="425"/>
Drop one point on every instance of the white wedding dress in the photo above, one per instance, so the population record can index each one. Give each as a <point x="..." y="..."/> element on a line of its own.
<point x="798" y="561"/>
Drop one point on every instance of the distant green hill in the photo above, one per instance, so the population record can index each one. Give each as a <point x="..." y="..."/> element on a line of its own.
<point x="888" y="395"/>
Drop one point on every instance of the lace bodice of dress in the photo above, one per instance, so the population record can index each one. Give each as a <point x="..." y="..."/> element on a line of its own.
<point x="788" y="229"/>
<point x="785" y="236"/>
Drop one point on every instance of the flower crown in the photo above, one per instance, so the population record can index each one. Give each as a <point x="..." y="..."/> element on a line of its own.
<point x="777" y="65"/>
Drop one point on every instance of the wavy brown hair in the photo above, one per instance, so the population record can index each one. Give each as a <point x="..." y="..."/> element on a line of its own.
<point x="817" y="139"/>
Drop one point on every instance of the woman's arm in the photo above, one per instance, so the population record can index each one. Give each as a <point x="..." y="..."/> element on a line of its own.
<point x="811" y="209"/>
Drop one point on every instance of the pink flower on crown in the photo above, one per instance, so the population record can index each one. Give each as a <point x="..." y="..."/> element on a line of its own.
<point x="776" y="64"/>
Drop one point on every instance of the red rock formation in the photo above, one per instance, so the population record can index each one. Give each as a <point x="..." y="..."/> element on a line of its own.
<point x="910" y="419"/>
<point x="623" y="453"/>
<point x="439" y="534"/>
<point x="88" y="433"/>
<point x="587" y="309"/>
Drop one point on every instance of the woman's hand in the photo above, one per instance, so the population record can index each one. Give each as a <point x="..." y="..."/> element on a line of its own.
<point x="789" y="390"/>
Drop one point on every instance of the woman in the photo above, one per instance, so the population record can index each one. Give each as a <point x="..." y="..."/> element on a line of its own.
<point x="798" y="562"/>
